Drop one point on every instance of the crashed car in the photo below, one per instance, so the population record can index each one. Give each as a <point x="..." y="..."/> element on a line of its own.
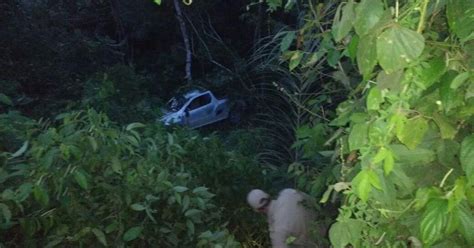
<point x="195" y="109"/>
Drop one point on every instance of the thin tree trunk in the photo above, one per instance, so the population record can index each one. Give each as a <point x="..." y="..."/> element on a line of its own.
<point x="258" y="26"/>
<point x="187" y="45"/>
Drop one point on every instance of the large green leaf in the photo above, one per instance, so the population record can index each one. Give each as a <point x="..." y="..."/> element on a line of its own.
<point x="459" y="80"/>
<point x="343" y="21"/>
<point x="448" y="152"/>
<point x="352" y="47"/>
<point x="5" y="213"/>
<point x="392" y="81"/>
<point x="434" y="221"/>
<point x="134" y="125"/>
<point x="467" y="157"/>
<point x="81" y="179"/>
<point x="412" y="157"/>
<point x="358" y="136"/>
<point x="460" y="15"/>
<point x="346" y="232"/>
<point x="466" y="223"/>
<point x="389" y="162"/>
<point x="432" y="71"/>
<point x="374" y="99"/>
<point x="41" y="195"/>
<point x="295" y="60"/>
<point x="116" y="165"/>
<point x="132" y="233"/>
<point x="446" y="128"/>
<point x="273" y="5"/>
<point x="398" y="46"/>
<point x="366" y="54"/>
<point x="450" y="98"/>
<point x="363" y="183"/>
<point x="368" y="13"/>
<point x="423" y="196"/>
<point x="412" y="133"/>
<point x="287" y="40"/>
<point x="100" y="236"/>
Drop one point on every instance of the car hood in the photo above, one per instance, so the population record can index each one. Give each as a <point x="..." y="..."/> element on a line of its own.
<point x="170" y="117"/>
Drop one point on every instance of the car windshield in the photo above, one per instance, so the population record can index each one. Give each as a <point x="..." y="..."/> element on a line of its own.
<point x="175" y="103"/>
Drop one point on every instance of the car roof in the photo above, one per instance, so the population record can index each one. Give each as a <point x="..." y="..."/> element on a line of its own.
<point x="194" y="93"/>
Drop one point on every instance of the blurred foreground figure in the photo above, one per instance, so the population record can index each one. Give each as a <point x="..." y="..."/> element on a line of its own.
<point x="287" y="217"/>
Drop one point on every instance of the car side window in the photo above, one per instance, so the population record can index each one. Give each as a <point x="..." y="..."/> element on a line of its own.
<point x="200" y="101"/>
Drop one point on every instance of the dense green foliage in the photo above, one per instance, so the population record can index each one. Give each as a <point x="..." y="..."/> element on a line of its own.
<point x="87" y="180"/>
<point x="405" y="167"/>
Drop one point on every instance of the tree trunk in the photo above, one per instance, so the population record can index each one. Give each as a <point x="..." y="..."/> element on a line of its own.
<point x="184" y="33"/>
<point x="258" y="26"/>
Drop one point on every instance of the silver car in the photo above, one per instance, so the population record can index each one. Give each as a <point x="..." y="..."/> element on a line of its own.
<point x="195" y="109"/>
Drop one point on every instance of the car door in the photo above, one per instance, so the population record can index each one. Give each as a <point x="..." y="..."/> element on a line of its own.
<point x="199" y="111"/>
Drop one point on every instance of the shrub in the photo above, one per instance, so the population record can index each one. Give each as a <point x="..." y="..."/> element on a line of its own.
<point x="87" y="181"/>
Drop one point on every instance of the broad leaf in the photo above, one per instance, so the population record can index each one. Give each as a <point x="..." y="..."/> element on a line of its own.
<point x="459" y="80"/>
<point x="295" y="60"/>
<point x="180" y="189"/>
<point x="458" y="196"/>
<point x="389" y="162"/>
<point x="434" y="221"/>
<point x="5" y="213"/>
<point x="466" y="223"/>
<point x="116" y="165"/>
<point x="137" y="207"/>
<point x="446" y="128"/>
<point x="192" y="212"/>
<point x="363" y="183"/>
<point x="366" y="55"/>
<point x="132" y="233"/>
<point x="448" y="152"/>
<point x="374" y="179"/>
<point x="368" y="13"/>
<point x="134" y="125"/>
<point x="100" y="236"/>
<point x="358" y="136"/>
<point x="81" y="179"/>
<point x="343" y="21"/>
<point x="412" y="133"/>
<point x="352" y="47"/>
<point x="461" y="18"/>
<point x="273" y="4"/>
<point x="48" y="159"/>
<point x="287" y="40"/>
<point x="412" y="157"/>
<point x="374" y="99"/>
<point x="41" y="195"/>
<point x="432" y="71"/>
<point x="397" y="47"/>
<point x="392" y="81"/>
<point x="467" y="157"/>
<point x="423" y="195"/>
<point x="450" y="98"/>
<point x="346" y="232"/>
